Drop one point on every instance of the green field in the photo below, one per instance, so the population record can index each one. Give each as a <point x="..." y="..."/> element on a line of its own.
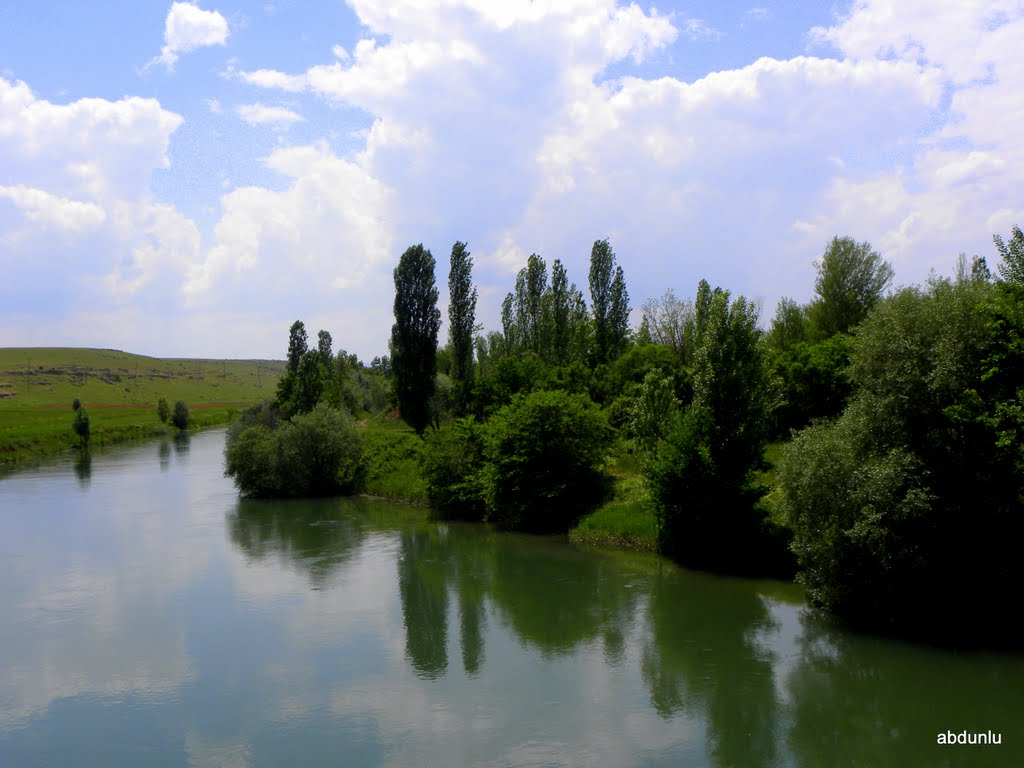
<point x="120" y="392"/>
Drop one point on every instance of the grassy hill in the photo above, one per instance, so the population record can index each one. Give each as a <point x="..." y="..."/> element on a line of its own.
<point x="120" y="391"/>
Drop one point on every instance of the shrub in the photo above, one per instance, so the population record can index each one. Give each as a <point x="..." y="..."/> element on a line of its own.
<point x="543" y="452"/>
<point x="315" y="454"/>
<point x="452" y="462"/>
<point x="180" y="416"/>
<point x="81" y="426"/>
<point x="76" y="404"/>
<point x="163" y="411"/>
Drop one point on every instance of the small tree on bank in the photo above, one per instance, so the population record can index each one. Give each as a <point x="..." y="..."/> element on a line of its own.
<point x="180" y="417"/>
<point x="414" y="336"/>
<point x="163" y="410"/>
<point x="81" y="426"/>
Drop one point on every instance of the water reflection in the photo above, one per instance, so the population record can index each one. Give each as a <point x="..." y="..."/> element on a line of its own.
<point x="883" y="703"/>
<point x="83" y="469"/>
<point x="182" y="443"/>
<point x="145" y="625"/>
<point x="164" y="452"/>
<point x="423" y="572"/>
<point x="706" y="658"/>
<point x="312" y="536"/>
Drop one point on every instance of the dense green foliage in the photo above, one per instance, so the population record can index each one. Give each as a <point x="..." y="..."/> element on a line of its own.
<point x="180" y="415"/>
<point x="163" y="410"/>
<point x="543" y="455"/>
<point x="314" y="454"/>
<point x="534" y="465"/>
<point x="851" y="279"/>
<point x="906" y="511"/>
<point x="702" y="472"/>
<point x="414" y="336"/>
<point x="452" y="466"/>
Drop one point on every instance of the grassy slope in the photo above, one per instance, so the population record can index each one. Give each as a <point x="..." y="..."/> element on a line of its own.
<point x="120" y="392"/>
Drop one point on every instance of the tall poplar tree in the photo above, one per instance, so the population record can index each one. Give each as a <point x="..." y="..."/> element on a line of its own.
<point x="609" y="302"/>
<point x="414" y="336"/>
<point x="461" y="319"/>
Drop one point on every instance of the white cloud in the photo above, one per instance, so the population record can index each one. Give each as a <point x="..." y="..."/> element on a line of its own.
<point x="323" y="233"/>
<point x="84" y="169"/>
<point x="189" y="27"/>
<point x="697" y="29"/>
<point x="260" y="114"/>
<point x="53" y="211"/>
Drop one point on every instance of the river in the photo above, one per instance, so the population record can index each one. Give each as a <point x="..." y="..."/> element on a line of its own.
<point x="153" y="618"/>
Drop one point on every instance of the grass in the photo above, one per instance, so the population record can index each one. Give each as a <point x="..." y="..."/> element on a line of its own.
<point x="626" y="520"/>
<point x="392" y="456"/>
<point x="119" y="390"/>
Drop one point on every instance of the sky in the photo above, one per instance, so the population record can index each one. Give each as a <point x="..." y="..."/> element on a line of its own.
<point x="187" y="179"/>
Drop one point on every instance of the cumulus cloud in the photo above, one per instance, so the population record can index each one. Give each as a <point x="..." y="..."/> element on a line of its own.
<point x="84" y="169"/>
<point x="189" y="27"/>
<point x="322" y="233"/>
<point x="53" y="211"/>
<point x="260" y="114"/>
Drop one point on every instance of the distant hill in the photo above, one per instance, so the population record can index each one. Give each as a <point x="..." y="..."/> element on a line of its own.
<point x="120" y="391"/>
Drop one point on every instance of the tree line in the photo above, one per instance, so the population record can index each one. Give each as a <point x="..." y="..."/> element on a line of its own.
<point x="900" y="413"/>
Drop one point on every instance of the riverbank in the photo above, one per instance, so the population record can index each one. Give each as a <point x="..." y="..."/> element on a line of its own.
<point x="119" y="390"/>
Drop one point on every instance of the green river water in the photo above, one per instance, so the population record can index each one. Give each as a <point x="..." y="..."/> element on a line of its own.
<point x="152" y="618"/>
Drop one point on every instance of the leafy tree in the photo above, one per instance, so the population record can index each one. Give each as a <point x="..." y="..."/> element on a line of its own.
<point x="324" y="348"/>
<point x="701" y="475"/>
<point x="559" y="303"/>
<point x="180" y="416"/>
<point x="531" y="284"/>
<point x="452" y="464"/>
<point x="381" y="366"/>
<point x="665" y="319"/>
<point x="298" y="344"/>
<point x="851" y="280"/>
<point x="543" y="456"/>
<point x="414" y="335"/>
<point x="1011" y="268"/>
<point x="309" y="383"/>
<point x="509" y="329"/>
<point x="789" y="326"/>
<point x="609" y="302"/>
<point x="76" y="404"/>
<point x="906" y="510"/>
<point x="813" y="381"/>
<point x="82" y="427"/>
<point x="461" y="320"/>
<point x="315" y="454"/>
<point x="163" y="410"/>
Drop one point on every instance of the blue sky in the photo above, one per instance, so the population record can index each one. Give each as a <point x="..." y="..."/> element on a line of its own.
<point x="189" y="178"/>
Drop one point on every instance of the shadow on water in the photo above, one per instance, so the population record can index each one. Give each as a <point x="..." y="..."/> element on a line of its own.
<point x="83" y="469"/>
<point x="884" y="703"/>
<point x="551" y="597"/>
<point x="312" y="536"/>
<point x="706" y="657"/>
<point x="182" y="443"/>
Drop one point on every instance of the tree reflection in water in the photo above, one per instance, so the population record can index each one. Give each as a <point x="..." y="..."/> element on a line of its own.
<point x="312" y="536"/>
<point x="83" y="469"/>
<point x="705" y="659"/>
<point x="883" y="703"/>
